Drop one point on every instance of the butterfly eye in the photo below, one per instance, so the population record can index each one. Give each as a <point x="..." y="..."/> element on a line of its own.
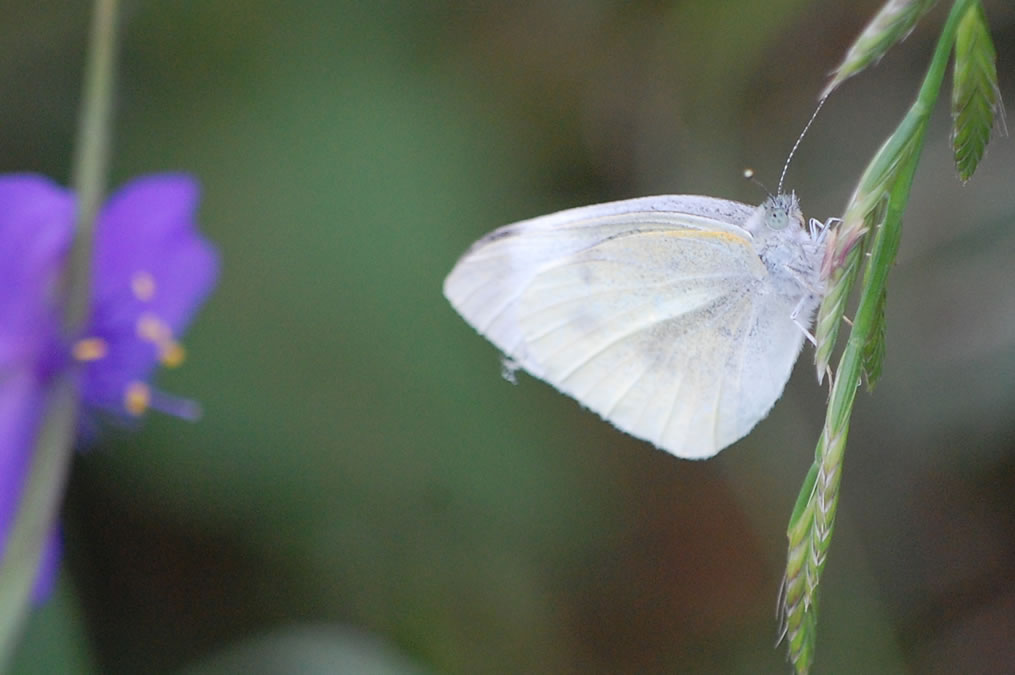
<point x="777" y="218"/>
<point x="780" y="211"/>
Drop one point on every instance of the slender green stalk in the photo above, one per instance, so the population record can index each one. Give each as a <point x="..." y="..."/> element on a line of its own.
<point x="37" y="509"/>
<point x="872" y="224"/>
<point x="51" y="457"/>
<point x="89" y="173"/>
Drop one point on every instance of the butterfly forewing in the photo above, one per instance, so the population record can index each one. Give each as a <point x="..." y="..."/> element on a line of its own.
<point x="486" y="282"/>
<point x="648" y="311"/>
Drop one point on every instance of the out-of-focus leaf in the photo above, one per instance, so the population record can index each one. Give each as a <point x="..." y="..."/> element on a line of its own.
<point x="55" y="639"/>
<point x="310" y="650"/>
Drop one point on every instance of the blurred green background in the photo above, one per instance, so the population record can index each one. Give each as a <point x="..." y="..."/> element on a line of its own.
<point x="365" y="494"/>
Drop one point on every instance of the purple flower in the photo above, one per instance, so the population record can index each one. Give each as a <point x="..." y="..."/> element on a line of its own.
<point x="150" y="272"/>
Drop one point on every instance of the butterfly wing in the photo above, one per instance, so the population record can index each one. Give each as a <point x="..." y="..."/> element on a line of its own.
<point x="653" y="312"/>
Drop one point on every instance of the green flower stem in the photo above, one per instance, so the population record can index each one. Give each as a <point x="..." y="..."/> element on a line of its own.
<point x="36" y="514"/>
<point x="89" y="174"/>
<point x="51" y="457"/>
<point x="875" y="209"/>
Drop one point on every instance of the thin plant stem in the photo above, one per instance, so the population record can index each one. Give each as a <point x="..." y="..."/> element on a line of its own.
<point x="872" y="224"/>
<point x="89" y="172"/>
<point x="53" y="451"/>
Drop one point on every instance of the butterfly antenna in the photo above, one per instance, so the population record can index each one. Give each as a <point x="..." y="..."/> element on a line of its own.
<point x="749" y="175"/>
<point x="785" y="167"/>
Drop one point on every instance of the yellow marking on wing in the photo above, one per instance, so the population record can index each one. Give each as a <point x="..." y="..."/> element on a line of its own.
<point x="709" y="234"/>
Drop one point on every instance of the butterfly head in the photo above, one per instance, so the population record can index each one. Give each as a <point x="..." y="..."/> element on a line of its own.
<point x="776" y="213"/>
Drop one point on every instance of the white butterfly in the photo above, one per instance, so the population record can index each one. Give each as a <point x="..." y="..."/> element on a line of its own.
<point x="677" y="318"/>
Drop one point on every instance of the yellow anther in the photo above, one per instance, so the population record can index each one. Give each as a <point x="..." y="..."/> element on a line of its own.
<point x="137" y="398"/>
<point x="152" y="328"/>
<point x="143" y="286"/>
<point x="172" y="354"/>
<point x="89" y="349"/>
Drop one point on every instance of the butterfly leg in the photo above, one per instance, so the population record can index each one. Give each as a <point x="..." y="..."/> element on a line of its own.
<point x="819" y="229"/>
<point x="509" y="368"/>
<point x="807" y="334"/>
<point x="795" y="314"/>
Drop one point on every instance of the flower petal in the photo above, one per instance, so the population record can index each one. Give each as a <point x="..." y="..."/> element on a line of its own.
<point x="49" y="566"/>
<point x="21" y="403"/>
<point x="36" y="217"/>
<point x="152" y="268"/>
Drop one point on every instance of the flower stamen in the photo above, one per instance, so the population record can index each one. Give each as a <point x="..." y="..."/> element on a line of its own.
<point x="142" y="285"/>
<point x="153" y="329"/>
<point x="172" y="354"/>
<point x="89" y="349"/>
<point x="150" y="327"/>
<point x="137" y="398"/>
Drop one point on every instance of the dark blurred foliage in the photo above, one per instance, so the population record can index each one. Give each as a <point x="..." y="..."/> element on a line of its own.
<point x="365" y="492"/>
